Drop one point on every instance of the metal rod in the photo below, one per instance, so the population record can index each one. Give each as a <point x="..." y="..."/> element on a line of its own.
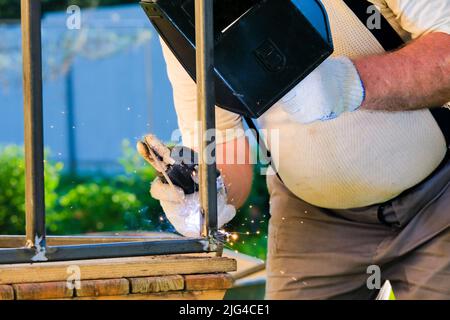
<point x="105" y="250"/>
<point x="71" y="133"/>
<point x="250" y="271"/>
<point x="17" y="241"/>
<point x="204" y="39"/>
<point x="34" y="151"/>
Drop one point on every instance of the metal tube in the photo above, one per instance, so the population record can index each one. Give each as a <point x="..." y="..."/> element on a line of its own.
<point x="71" y="134"/>
<point x="17" y="241"/>
<point x="204" y="39"/>
<point x="34" y="151"/>
<point x="105" y="250"/>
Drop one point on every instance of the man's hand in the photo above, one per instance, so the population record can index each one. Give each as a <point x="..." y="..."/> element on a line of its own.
<point x="176" y="187"/>
<point x="183" y="211"/>
<point x="332" y="89"/>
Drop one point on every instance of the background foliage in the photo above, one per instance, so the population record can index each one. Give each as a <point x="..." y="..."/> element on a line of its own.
<point x="78" y="204"/>
<point x="12" y="188"/>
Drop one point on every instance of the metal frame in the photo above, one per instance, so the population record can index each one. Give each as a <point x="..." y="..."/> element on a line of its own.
<point x="204" y="39"/>
<point x="35" y="247"/>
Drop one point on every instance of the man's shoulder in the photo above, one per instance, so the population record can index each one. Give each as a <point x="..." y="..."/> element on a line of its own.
<point x="417" y="17"/>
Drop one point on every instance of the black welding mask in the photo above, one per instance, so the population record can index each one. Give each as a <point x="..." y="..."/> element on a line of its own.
<point x="262" y="48"/>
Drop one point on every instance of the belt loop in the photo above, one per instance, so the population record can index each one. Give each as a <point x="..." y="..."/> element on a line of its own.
<point x="382" y="218"/>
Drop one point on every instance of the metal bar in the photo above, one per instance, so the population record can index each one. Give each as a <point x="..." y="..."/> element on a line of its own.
<point x="204" y="39"/>
<point x="105" y="250"/>
<point x="17" y="241"/>
<point x="71" y="133"/>
<point x="250" y="271"/>
<point x="36" y="249"/>
<point x="34" y="150"/>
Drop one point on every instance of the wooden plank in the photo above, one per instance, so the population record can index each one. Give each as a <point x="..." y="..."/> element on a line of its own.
<point x="6" y="292"/>
<point x="171" y="295"/>
<point x="108" y="287"/>
<point x="116" y="268"/>
<point x="197" y="282"/>
<point x="46" y="290"/>
<point x="247" y="266"/>
<point x="157" y="284"/>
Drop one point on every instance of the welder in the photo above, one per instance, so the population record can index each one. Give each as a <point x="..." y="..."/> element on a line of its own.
<point x="362" y="162"/>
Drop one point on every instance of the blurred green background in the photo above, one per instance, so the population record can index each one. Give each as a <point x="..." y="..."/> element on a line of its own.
<point x="91" y="202"/>
<point x="80" y="204"/>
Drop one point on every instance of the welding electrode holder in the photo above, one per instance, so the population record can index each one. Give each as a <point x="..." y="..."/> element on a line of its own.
<point x="183" y="172"/>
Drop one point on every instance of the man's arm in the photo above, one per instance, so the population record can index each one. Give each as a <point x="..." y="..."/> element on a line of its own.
<point x="414" y="77"/>
<point x="237" y="172"/>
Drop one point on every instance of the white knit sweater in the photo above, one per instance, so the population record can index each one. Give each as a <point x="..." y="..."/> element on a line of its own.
<point x="358" y="159"/>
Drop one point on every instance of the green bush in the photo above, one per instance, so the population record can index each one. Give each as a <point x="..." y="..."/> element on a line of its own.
<point x="12" y="188"/>
<point x="92" y="207"/>
<point x="109" y="203"/>
<point x="85" y="203"/>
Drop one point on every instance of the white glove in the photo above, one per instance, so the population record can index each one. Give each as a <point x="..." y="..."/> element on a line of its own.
<point x="332" y="89"/>
<point x="183" y="211"/>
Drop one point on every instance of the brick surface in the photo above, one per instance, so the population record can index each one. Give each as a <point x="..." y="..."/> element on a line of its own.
<point x="6" y="292"/>
<point x="208" y="281"/>
<point x="46" y="290"/>
<point x="108" y="287"/>
<point x="157" y="284"/>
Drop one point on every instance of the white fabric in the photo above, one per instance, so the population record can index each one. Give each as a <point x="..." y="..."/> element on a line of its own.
<point x="360" y="158"/>
<point x="228" y="125"/>
<point x="417" y="17"/>
<point x="332" y="89"/>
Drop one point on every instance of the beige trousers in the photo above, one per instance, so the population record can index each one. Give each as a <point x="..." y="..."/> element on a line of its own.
<point x="316" y="253"/>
